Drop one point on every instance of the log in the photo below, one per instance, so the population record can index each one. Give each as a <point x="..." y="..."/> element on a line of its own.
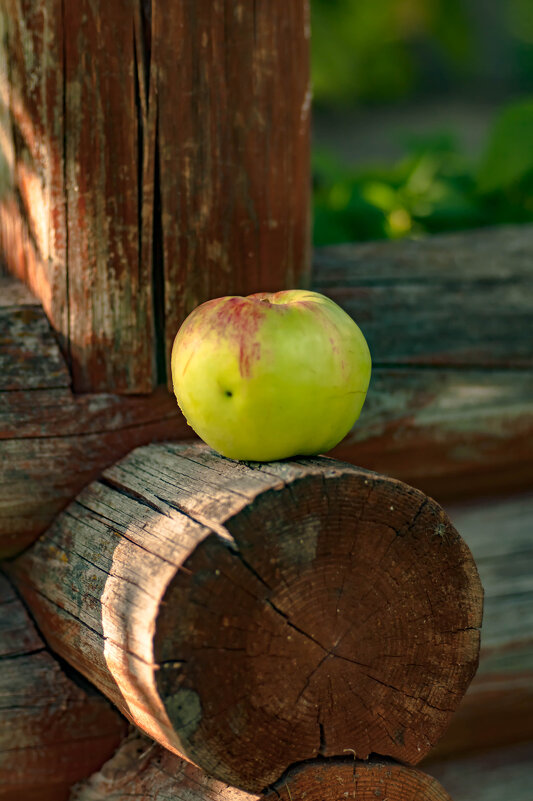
<point x="54" y="729"/>
<point x="143" y="770"/>
<point x="159" y="159"/>
<point x="497" y="709"/>
<point x="53" y="442"/>
<point x="489" y="776"/>
<point x="447" y="318"/>
<point x="253" y="616"/>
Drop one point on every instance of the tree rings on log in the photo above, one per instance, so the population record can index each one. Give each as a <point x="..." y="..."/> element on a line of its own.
<point x="377" y="780"/>
<point x="140" y="770"/>
<point x="250" y="617"/>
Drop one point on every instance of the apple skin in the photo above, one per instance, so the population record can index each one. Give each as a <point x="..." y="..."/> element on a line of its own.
<point x="270" y="376"/>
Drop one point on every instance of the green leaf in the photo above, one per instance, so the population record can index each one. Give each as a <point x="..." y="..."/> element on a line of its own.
<point x="509" y="155"/>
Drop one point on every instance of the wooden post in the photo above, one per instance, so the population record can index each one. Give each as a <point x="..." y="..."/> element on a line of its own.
<point x="143" y="771"/>
<point x="253" y="616"/>
<point x="161" y="157"/>
<point x="53" y="730"/>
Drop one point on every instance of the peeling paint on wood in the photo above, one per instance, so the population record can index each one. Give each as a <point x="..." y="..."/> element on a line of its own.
<point x="171" y="584"/>
<point x="160" y="160"/>
<point x="235" y="183"/>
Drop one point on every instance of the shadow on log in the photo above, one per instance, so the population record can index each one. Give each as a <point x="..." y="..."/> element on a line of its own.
<point x="254" y="616"/>
<point x="143" y="771"/>
<point x="53" y="442"/>
<point x="53" y="731"/>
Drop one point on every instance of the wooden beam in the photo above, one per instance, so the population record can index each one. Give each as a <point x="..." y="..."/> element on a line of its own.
<point x="497" y="710"/>
<point x="253" y="616"/>
<point x="160" y="159"/>
<point x="450" y="403"/>
<point x="489" y="776"/>
<point x="53" y="442"/>
<point x="54" y="730"/>
<point x="143" y="771"/>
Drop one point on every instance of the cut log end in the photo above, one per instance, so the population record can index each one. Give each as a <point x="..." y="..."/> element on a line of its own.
<point x="377" y="780"/>
<point x="252" y="617"/>
<point x="352" y="619"/>
<point x="142" y="771"/>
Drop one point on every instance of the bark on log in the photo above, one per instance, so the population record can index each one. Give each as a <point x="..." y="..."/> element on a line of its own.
<point x="159" y="159"/>
<point x="250" y="617"/>
<point x="450" y="403"/>
<point x="52" y="442"/>
<point x="53" y="730"/>
<point x="497" y="709"/>
<point x="143" y="771"/>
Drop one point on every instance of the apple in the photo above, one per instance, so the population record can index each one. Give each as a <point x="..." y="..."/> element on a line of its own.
<point x="270" y="375"/>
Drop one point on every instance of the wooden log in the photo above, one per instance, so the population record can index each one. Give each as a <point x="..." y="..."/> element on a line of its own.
<point x="497" y="709"/>
<point x="143" y="770"/>
<point x="450" y="403"/>
<point x="160" y="159"/>
<point x="54" y="730"/>
<point x="489" y="776"/>
<point x="53" y="442"/>
<point x="254" y="616"/>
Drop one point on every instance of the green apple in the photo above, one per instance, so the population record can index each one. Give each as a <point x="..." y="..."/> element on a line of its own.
<point x="270" y="376"/>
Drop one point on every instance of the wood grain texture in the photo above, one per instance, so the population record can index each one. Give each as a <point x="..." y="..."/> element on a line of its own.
<point x="498" y="707"/>
<point x="460" y="300"/>
<point x="33" y="229"/>
<point x="53" y="442"/>
<point x="234" y="184"/>
<point x="53" y="731"/>
<point x="143" y="771"/>
<point x="447" y="319"/>
<point x="251" y="617"/>
<point x="160" y="159"/>
<point x="337" y="780"/>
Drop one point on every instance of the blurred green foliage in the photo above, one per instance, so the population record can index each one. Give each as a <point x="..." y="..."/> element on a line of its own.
<point x="434" y="188"/>
<point x="374" y="50"/>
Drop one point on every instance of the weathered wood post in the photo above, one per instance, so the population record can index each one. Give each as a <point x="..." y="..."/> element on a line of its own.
<point x="151" y="156"/>
<point x="158" y="156"/>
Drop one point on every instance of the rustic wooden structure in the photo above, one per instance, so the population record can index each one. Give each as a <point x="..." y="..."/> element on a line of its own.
<point x="142" y="770"/>
<point x="453" y="421"/>
<point x="53" y="730"/>
<point x="498" y="531"/>
<point x="447" y="319"/>
<point x="194" y="185"/>
<point x="251" y="617"/>
<point x="52" y="441"/>
<point x="170" y="167"/>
